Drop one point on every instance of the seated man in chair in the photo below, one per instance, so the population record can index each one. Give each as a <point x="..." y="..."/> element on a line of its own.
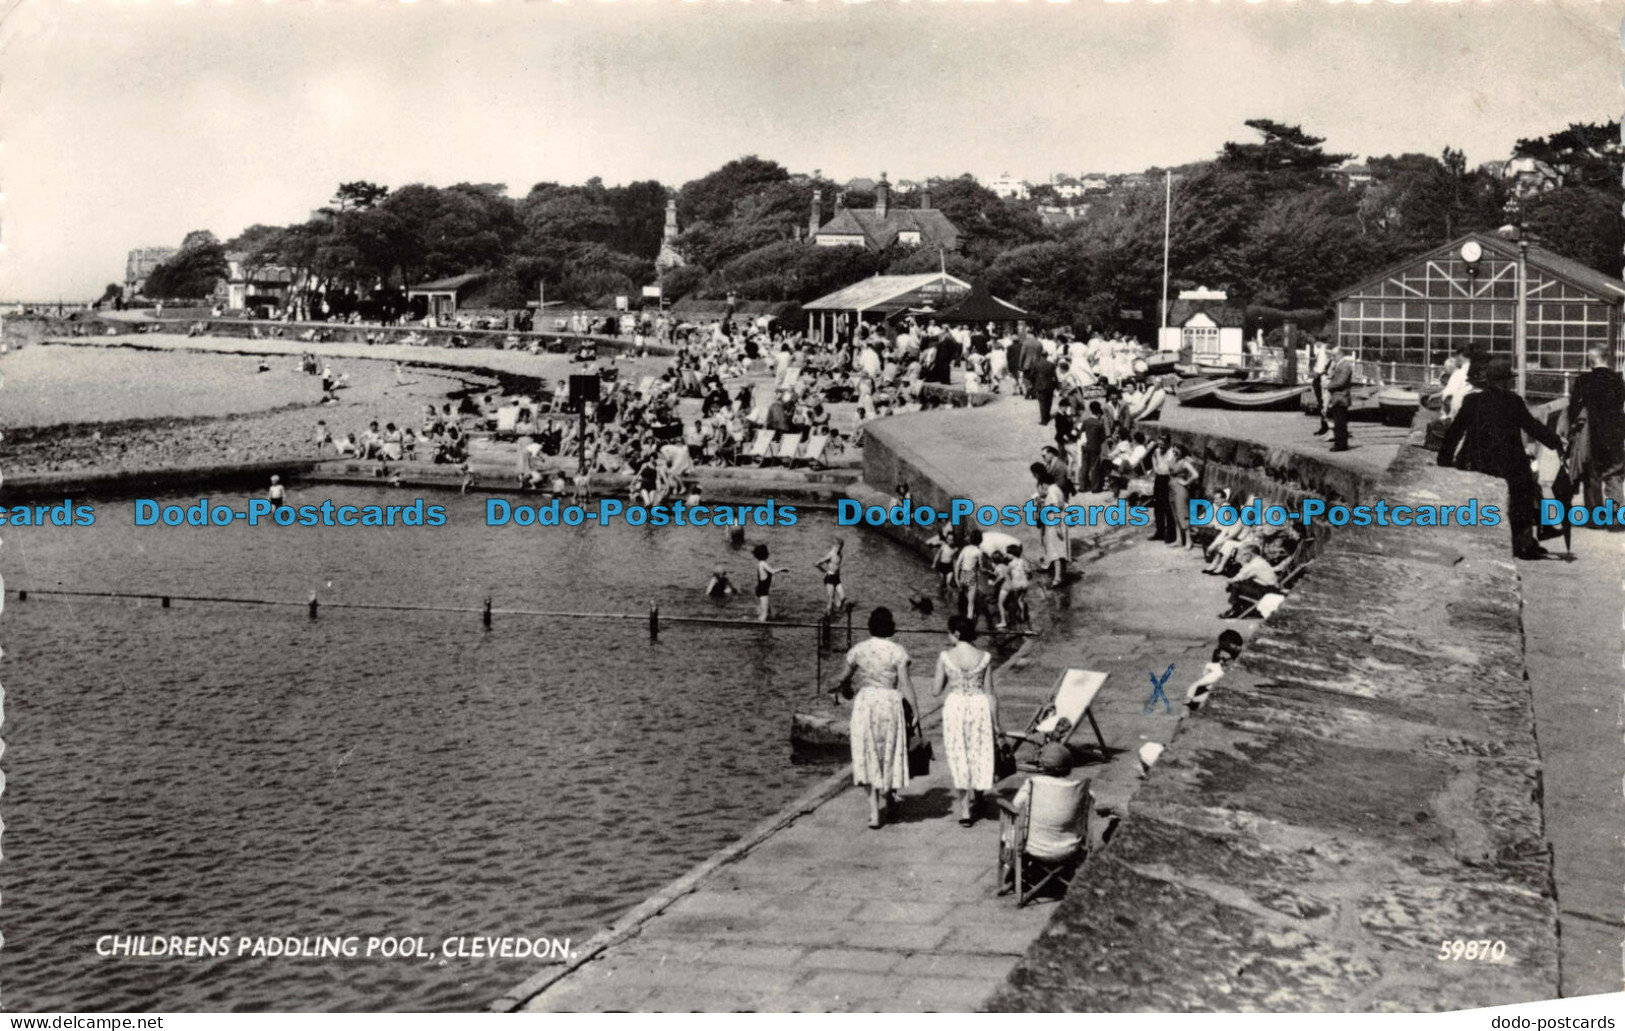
<point x="1044" y="830"/>
<point x="1256" y="578"/>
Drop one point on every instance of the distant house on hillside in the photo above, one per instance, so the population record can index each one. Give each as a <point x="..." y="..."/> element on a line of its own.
<point x="1528" y="177"/>
<point x="1068" y="188"/>
<point x="1353" y="175"/>
<point x="1009" y="187"/>
<point x="1057" y="216"/>
<point x="860" y="185"/>
<point x="139" y="265"/>
<point x="879" y="227"/>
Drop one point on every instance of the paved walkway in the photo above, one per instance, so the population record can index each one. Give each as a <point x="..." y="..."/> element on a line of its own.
<point x="828" y="915"/>
<point x="1574" y="643"/>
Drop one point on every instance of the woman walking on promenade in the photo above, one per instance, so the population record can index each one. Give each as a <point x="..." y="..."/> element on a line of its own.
<point x="878" y="668"/>
<point x="1056" y="550"/>
<point x="970" y="714"/>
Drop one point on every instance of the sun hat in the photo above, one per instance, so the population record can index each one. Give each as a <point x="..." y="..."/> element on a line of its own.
<point x="1055" y="759"/>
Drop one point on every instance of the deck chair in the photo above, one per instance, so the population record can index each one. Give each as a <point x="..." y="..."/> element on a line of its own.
<point x="1069" y="704"/>
<point x="1265" y="606"/>
<point x="816" y="444"/>
<point x="507" y="419"/>
<point x="789" y="444"/>
<point x="643" y="386"/>
<point x="1044" y="839"/>
<point x="762" y="446"/>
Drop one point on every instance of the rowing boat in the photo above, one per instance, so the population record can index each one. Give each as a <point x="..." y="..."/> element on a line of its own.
<point x="1209" y="370"/>
<point x="1399" y="403"/>
<point x="1259" y="396"/>
<point x="1194" y="392"/>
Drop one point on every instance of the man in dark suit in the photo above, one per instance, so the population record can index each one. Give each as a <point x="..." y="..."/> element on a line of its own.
<point x="1044" y="382"/>
<point x="1597" y="409"/>
<point x="1339" y="384"/>
<point x="948" y="352"/>
<point x="1092" y="432"/>
<point x="1489" y="430"/>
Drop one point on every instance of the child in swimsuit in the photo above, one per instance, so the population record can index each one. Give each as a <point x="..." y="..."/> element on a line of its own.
<point x="1014" y="577"/>
<point x="764" y="581"/>
<point x="967" y="573"/>
<point x="276" y="493"/>
<point x="830" y="564"/>
<point x="720" y="586"/>
<point x="943" y="562"/>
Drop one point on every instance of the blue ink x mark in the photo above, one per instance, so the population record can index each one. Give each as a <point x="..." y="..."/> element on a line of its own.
<point x="1157" y="692"/>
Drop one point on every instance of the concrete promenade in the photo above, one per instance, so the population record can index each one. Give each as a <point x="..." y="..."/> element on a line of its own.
<point x="1573" y="647"/>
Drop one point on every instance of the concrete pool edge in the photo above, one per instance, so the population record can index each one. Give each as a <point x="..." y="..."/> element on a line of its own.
<point x="633" y="920"/>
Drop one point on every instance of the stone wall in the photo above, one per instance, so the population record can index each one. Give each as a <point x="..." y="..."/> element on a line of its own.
<point x="1364" y="785"/>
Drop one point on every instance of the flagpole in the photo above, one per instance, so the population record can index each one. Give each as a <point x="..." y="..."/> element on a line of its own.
<point x="1167" y="232"/>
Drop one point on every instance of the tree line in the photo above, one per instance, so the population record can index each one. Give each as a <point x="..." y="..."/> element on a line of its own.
<point x="1269" y="220"/>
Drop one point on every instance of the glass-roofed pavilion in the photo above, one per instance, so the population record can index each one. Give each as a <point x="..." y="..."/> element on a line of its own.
<point x="1409" y="319"/>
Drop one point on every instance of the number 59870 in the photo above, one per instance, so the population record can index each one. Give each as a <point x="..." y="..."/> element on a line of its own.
<point x="1484" y="950"/>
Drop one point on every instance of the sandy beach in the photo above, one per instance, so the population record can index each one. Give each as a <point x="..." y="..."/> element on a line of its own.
<point x="171" y="400"/>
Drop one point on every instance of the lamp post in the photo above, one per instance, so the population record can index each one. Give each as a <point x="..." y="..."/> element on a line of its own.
<point x="1520" y="329"/>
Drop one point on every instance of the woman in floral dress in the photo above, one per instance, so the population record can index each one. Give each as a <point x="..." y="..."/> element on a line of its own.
<point x="970" y="714"/>
<point x="879" y="671"/>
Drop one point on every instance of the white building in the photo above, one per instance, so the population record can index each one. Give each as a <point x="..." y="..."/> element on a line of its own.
<point x="1009" y="187"/>
<point x="1202" y="326"/>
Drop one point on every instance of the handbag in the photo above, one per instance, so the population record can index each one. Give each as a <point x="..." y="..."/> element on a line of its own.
<point x="844" y="688"/>
<point x="920" y="754"/>
<point x="1004" y="758"/>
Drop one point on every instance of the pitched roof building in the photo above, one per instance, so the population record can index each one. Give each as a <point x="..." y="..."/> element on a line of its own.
<point x="883" y="225"/>
<point x="140" y="263"/>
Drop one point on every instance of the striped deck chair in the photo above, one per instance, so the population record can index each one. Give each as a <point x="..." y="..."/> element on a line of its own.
<point x="789" y="444"/>
<point x="814" y="456"/>
<point x="762" y="447"/>
<point x="1069" y="704"/>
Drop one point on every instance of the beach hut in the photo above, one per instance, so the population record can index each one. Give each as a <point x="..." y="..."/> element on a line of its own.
<point x="441" y="295"/>
<point x="1204" y="327"/>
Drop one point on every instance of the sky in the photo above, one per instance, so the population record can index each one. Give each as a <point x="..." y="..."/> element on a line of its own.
<point x="127" y="124"/>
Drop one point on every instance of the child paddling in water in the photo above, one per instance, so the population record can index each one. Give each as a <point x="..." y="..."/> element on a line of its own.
<point x="830" y="566"/>
<point x="764" y="581"/>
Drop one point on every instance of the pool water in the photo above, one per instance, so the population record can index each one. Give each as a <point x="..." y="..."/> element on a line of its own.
<point x="227" y="770"/>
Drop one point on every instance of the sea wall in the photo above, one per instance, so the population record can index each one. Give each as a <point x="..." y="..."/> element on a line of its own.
<point x="117" y="482"/>
<point x="1278" y="475"/>
<point x="1364" y="784"/>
